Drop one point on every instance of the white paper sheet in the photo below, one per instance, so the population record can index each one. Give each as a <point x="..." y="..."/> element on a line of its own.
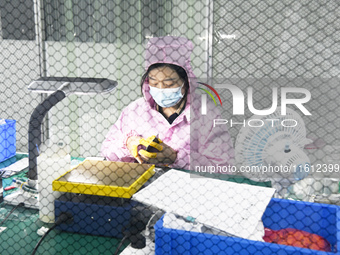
<point x="231" y="207"/>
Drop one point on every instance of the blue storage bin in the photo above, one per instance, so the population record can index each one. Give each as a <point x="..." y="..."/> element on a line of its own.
<point x="7" y="140"/>
<point x="320" y="219"/>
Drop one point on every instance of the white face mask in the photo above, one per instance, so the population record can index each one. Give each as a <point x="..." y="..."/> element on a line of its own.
<point x="166" y="97"/>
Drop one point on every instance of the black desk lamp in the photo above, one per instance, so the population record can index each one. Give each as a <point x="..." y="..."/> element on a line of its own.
<point x="58" y="88"/>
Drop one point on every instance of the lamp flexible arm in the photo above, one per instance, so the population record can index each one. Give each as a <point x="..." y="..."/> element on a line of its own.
<point x="34" y="131"/>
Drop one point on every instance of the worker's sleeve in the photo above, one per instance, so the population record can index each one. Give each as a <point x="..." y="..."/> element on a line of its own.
<point x="114" y="146"/>
<point x="183" y="159"/>
<point x="211" y="146"/>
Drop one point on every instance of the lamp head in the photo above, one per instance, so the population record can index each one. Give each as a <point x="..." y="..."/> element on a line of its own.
<point x="73" y="85"/>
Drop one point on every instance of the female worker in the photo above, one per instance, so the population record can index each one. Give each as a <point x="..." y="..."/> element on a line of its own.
<point x="168" y="109"/>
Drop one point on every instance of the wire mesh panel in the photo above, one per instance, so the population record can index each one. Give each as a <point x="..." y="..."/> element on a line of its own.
<point x="168" y="127"/>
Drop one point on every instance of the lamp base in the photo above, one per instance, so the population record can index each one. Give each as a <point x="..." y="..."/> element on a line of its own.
<point x="22" y="197"/>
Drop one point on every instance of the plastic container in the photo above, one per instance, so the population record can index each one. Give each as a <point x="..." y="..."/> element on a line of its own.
<point x="104" y="178"/>
<point x="54" y="162"/>
<point x="320" y="219"/>
<point x="7" y="140"/>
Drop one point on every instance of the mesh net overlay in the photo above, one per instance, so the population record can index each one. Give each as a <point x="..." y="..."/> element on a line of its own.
<point x="169" y="127"/>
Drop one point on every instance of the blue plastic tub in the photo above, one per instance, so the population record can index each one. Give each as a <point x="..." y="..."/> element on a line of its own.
<point x="320" y="219"/>
<point x="7" y="140"/>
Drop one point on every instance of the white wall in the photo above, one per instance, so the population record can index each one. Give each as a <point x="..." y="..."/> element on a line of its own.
<point x="19" y="65"/>
<point x="89" y="118"/>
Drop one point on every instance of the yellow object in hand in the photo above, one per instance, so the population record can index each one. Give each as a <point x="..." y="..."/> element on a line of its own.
<point x="145" y="147"/>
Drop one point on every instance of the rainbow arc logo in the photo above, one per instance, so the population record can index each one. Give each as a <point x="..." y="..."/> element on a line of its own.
<point x="204" y="97"/>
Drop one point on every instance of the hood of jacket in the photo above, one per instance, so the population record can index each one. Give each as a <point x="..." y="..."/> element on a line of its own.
<point x="169" y="50"/>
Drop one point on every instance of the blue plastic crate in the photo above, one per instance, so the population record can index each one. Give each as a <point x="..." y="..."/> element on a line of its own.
<point x="320" y="219"/>
<point x="7" y="140"/>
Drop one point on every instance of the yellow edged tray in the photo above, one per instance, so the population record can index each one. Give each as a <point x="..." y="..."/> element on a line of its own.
<point x="104" y="178"/>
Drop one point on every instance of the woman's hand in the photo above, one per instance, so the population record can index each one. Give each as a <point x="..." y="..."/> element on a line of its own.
<point x="132" y="144"/>
<point x="163" y="157"/>
<point x="164" y="154"/>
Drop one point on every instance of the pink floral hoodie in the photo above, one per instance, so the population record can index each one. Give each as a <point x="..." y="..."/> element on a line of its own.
<point x="191" y="134"/>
